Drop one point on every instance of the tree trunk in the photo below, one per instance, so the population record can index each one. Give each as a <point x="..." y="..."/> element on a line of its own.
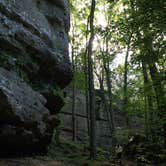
<point x="158" y="87"/>
<point x="109" y="85"/>
<point x="105" y="102"/>
<point x="86" y="81"/>
<point x="125" y="99"/>
<point x="161" y="101"/>
<point x="148" y="94"/>
<point x="91" y="85"/>
<point x="73" y="99"/>
<point x="106" y="63"/>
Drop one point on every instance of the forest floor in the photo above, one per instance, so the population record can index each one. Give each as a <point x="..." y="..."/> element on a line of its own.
<point x="70" y="154"/>
<point x="50" y="162"/>
<point x="28" y="162"/>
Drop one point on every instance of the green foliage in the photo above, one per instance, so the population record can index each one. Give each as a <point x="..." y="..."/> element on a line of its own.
<point x="142" y="21"/>
<point x="57" y="91"/>
<point x="75" y="154"/>
<point x="80" y="80"/>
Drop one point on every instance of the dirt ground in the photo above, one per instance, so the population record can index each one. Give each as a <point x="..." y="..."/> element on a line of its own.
<point x="44" y="161"/>
<point x="38" y="162"/>
<point x="29" y="162"/>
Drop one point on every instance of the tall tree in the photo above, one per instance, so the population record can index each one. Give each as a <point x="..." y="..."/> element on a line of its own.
<point x="73" y="91"/>
<point x="106" y="64"/>
<point x="91" y="84"/>
<point x="86" y="77"/>
<point x="151" y="30"/>
<point x="125" y="98"/>
<point x="149" y="96"/>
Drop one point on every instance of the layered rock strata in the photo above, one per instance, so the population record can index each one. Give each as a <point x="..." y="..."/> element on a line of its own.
<point x="34" y="67"/>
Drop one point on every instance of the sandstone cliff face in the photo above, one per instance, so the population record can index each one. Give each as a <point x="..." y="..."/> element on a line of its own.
<point x="34" y="66"/>
<point x="103" y="134"/>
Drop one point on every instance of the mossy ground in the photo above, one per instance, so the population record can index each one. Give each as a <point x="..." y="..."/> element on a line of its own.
<point x="77" y="154"/>
<point x="68" y="153"/>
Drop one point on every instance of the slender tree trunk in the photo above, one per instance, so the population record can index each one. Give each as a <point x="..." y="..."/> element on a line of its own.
<point x="125" y="99"/>
<point x="91" y="85"/>
<point x="74" y="136"/>
<point x="109" y="86"/>
<point x="148" y="95"/>
<point x="107" y="101"/>
<point x="87" y="99"/>
<point x="110" y="109"/>
<point x="106" y="104"/>
<point x="146" y="82"/>
<point x="106" y="63"/>
<point x="86" y="80"/>
<point x="161" y="101"/>
<point x="73" y="98"/>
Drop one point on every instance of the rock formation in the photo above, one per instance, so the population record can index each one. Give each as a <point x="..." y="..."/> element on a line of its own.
<point x="34" y="67"/>
<point x="103" y="134"/>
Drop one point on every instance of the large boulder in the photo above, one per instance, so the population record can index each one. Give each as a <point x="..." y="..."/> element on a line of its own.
<point x="34" y="67"/>
<point x="35" y="32"/>
<point x="26" y="125"/>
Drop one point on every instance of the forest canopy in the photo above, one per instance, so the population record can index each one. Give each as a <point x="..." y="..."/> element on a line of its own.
<point x="119" y="47"/>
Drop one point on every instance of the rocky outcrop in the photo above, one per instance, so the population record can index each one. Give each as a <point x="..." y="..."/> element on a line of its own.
<point x="103" y="134"/>
<point x="35" y="67"/>
<point x="38" y="30"/>
<point x="25" y="122"/>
